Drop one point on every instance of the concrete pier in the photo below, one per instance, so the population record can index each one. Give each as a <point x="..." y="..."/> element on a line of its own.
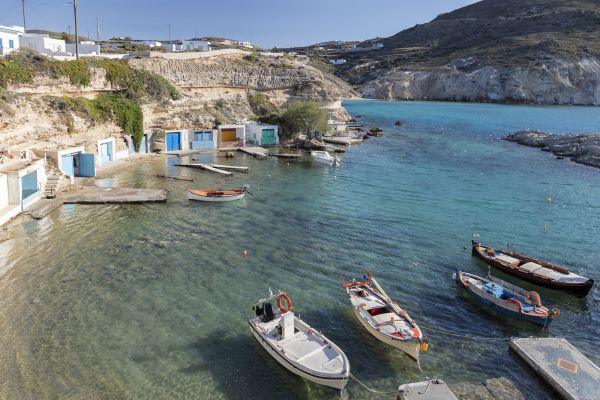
<point x="435" y="389"/>
<point x="231" y="167"/>
<point x="561" y="365"/>
<point x="111" y="195"/>
<point x="256" y="152"/>
<point x="44" y="208"/>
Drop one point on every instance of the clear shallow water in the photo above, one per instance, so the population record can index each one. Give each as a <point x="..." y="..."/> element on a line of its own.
<point x="151" y="301"/>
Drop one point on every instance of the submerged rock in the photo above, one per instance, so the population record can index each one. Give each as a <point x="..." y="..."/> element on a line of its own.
<point x="582" y="149"/>
<point x="491" y="389"/>
<point x="398" y="123"/>
<point x="378" y="132"/>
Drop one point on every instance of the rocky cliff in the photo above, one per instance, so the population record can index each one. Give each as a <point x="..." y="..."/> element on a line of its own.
<point x="227" y="89"/>
<point x="532" y="51"/>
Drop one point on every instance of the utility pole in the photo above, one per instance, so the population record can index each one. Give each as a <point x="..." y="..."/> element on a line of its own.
<point x="76" y="30"/>
<point x="98" y="30"/>
<point x="24" y="19"/>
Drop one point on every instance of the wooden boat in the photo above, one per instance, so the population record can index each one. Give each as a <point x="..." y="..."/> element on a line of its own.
<point x="216" y="195"/>
<point x="507" y="298"/>
<point x="532" y="270"/>
<point x="383" y="318"/>
<point x="297" y="346"/>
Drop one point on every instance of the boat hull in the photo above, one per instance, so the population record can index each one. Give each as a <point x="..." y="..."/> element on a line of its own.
<point x="410" y="348"/>
<point x="195" y="197"/>
<point x="542" y="321"/>
<point x="336" y="381"/>
<point x="577" y="289"/>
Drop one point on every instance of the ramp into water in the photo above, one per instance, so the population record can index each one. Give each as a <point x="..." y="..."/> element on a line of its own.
<point x="435" y="389"/>
<point x="561" y="365"/>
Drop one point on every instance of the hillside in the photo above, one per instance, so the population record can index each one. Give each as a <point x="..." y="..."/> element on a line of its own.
<point x="538" y="51"/>
<point x="44" y="103"/>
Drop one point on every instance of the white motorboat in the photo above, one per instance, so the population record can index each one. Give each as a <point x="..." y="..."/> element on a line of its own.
<point x="297" y="346"/>
<point x="324" y="157"/>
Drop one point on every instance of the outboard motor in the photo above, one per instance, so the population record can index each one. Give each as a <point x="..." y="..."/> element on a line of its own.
<point x="258" y="310"/>
<point x="268" y="313"/>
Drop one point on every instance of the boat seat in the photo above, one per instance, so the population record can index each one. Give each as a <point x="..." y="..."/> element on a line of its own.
<point x="530" y="267"/>
<point x="513" y="262"/>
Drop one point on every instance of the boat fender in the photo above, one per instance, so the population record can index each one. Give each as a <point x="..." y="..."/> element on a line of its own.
<point x="533" y="298"/>
<point x="288" y="303"/>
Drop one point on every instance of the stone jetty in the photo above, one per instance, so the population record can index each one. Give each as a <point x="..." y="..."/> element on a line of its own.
<point x="582" y="149"/>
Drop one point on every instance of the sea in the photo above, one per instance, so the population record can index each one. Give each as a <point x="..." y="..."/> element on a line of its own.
<point x="151" y="301"/>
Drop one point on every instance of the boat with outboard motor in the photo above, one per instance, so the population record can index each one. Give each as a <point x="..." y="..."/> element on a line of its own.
<point x="324" y="157"/>
<point x="297" y="346"/>
<point x="506" y="298"/>
<point x="384" y="318"/>
<point x="533" y="270"/>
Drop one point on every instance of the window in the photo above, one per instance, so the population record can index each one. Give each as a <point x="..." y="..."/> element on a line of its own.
<point x="11" y="44"/>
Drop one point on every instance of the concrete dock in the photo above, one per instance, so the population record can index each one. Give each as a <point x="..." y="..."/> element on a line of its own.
<point x="561" y="365"/>
<point x="345" y="140"/>
<point x="288" y="155"/>
<point x="111" y="195"/>
<point x="43" y="208"/>
<point x="231" y="167"/>
<point x="256" y="152"/>
<point x="435" y="389"/>
<point x="205" y="167"/>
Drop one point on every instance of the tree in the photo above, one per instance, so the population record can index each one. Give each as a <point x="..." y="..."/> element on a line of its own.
<point x="307" y="117"/>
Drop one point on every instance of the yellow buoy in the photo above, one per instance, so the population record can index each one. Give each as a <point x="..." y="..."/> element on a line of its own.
<point x="545" y="228"/>
<point x="548" y="199"/>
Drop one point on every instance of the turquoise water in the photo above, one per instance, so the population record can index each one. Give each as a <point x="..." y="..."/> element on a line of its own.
<point x="151" y="301"/>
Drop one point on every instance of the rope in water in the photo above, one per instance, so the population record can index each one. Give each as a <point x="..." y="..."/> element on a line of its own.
<point x="463" y="336"/>
<point x="371" y="389"/>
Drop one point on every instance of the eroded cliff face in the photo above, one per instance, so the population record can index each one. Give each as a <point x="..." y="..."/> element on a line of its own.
<point x="212" y="89"/>
<point x="555" y="81"/>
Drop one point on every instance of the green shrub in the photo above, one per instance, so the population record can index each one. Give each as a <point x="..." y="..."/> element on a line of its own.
<point x="77" y="71"/>
<point x="11" y="72"/>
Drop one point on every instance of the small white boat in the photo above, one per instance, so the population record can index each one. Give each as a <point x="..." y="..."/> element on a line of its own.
<point x="217" y="195"/>
<point x="297" y="346"/>
<point x="324" y="157"/>
<point x="383" y="318"/>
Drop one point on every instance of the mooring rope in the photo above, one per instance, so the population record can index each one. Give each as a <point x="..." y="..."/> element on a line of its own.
<point x="463" y="336"/>
<point x="371" y="389"/>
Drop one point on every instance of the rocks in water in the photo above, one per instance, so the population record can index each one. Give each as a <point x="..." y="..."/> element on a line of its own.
<point x="398" y="123"/>
<point x="308" y="144"/>
<point x="230" y="154"/>
<point x="582" y="149"/>
<point x="377" y="132"/>
<point x="491" y="389"/>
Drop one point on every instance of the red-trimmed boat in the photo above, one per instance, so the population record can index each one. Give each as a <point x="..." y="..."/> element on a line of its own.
<point x="384" y="318"/>
<point x="533" y="270"/>
<point x="506" y="298"/>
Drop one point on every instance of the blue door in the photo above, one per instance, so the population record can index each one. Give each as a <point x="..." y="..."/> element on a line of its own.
<point x="105" y="153"/>
<point x="173" y="141"/>
<point x="29" y="185"/>
<point x="86" y="165"/>
<point x="144" y="144"/>
<point x="68" y="165"/>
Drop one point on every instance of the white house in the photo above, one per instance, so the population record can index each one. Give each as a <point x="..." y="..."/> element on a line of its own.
<point x="86" y="48"/>
<point x="149" y="43"/>
<point x="43" y="44"/>
<point x="201" y="45"/>
<point x="262" y="134"/>
<point x="172" y="47"/>
<point x="21" y="184"/>
<point x="232" y="133"/>
<point x="337" y="61"/>
<point x="9" y="38"/>
<point x="247" y="45"/>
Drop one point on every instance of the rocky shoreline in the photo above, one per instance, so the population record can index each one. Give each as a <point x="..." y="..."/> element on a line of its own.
<point x="582" y="149"/>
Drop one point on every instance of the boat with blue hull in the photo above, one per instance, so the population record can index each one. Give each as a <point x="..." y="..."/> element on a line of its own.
<point x="507" y="298"/>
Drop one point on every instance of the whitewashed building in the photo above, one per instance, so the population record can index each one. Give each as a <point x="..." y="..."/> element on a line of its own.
<point x="201" y="45"/>
<point x="21" y="184"/>
<point x="149" y="43"/>
<point x="10" y="38"/>
<point x="172" y="47"/>
<point x="262" y="134"/>
<point x="43" y="44"/>
<point x="86" y="48"/>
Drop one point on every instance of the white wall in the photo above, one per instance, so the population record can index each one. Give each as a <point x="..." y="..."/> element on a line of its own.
<point x="196" y="45"/>
<point x="253" y="129"/>
<point x="43" y="44"/>
<point x="3" y="191"/>
<point x="8" y="34"/>
<point x="84" y="49"/>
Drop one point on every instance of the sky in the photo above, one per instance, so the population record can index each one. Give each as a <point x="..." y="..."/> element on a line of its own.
<point x="267" y="23"/>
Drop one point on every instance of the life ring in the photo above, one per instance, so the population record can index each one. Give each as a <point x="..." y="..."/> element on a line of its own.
<point x="288" y="303"/>
<point x="534" y="299"/>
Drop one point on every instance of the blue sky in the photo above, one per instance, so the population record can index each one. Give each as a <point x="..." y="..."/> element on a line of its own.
<point x="265" y="22"/>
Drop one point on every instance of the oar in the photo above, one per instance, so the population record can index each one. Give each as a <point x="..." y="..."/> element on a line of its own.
<point x="395" y="306"/>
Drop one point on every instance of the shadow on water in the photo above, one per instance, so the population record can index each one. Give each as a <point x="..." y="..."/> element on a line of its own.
<point x="226" y="356"/>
